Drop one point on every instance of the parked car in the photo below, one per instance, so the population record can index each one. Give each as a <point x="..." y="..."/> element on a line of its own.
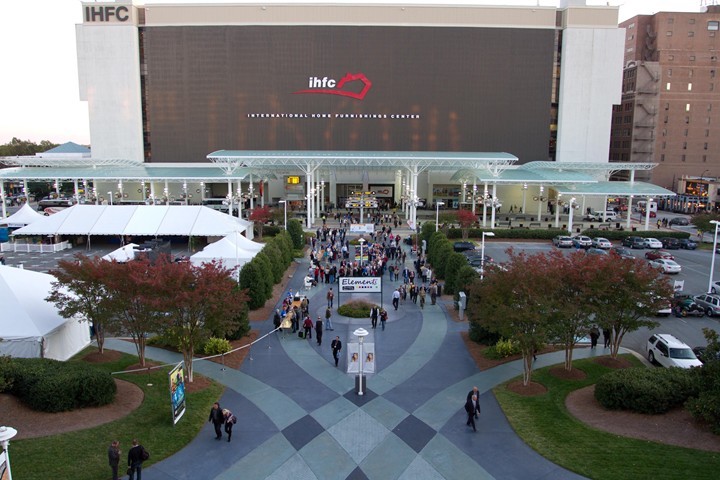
<point x="687" y="244"/>
<point x="655" y="254"/>
<point x="475" y="254"/>
<point x="680" y="221"/>
<point x="634" y="242"/>
<point x="610" y="216"/>
<point x="711" y="303"/>
<point x="652" y="243"/>
<point x="463" y="246"/>
<point x="581" y="241"/>
<point x="670" y="243"/>
<point x="562" y="241"/>
<point x="478" y="261"/>
<point x="622" y="252"/>
<point x="715" y="287"/>
<point x="56" y="202"/>
<point x="702" y="354"/>
<point x="668" y="351"/>
<point x="596" y="251"/>
<point x="666" y="266"/>
<point x="600" y="242"/>
<point x="685" y="305"/>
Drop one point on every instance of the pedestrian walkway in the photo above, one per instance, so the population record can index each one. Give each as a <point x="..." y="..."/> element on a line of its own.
<point x="299" y="416"/>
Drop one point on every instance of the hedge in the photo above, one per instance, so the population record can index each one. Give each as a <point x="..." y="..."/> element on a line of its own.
<point x="355" y="309"/>
<point x="645" y="390"/>
<point x="550" y="233"/>
<point x="52" y="386"/>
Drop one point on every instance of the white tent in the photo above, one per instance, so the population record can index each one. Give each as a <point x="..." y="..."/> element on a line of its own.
<point x="31" y="327"/>
<point x="122" y="254"/>
<point x="140" y="220"/>
<point x="24" y="216"/>
<point x="244" y="243"/>
<point x="226" y="251"/>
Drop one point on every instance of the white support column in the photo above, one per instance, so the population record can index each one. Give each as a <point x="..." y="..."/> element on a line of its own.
<point x="26" y="192"/>
<point x="230" y="197"/>
<point x="464" y="192"/>
<point x="524" y="194"/>
<point x="493" y="206"/>
<point x="308" y="195"/>
<point x="474" y="197"/>
<point x="629" y="210"/>
<point x="540" y="202"/>
<point x="57" y="187"/>
<point x="241" y="203"/>
<point x="557" y="211"/>
<point x="582" y="211"/>
<point x="484" y="204"/>
<point x="167" y="193"/>
<point x="152" y="192"/>
<point x="2" y="198"/>
<point x="415" y="196"/>
<point x="251" y="191"/>
<point x="77" y="191"/>
<point x="142" y="190"/>
<point x="332" y="183"/>
<point x="408" y="195"/>
<point x="647" y="214"/>
<point x="397" y="191"/>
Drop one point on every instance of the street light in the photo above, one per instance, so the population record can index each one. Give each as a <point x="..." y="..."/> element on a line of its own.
<point x="361" y="333"/>
<point x="712" y="262"/>
<point x="573" y="204"/>
<point x="482" y="253"/>
<point x="6" y="434"/>
<point x="437" y="213"/>
<point x="361" y="241"/>
<point x="284" y="202"/>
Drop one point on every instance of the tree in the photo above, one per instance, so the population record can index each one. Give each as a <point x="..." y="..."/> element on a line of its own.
<point x="267" y="272"/>
<point x="702" y="221"/>
<point x="80" y="292"/>
<point x="276" y="261"/>
<point x="130" y="287"/>
<point x="466" y="219"/>
<point x="465" y="278"/>
<point x="195" y="302"/>
<point x="452" y="268"/>
<point x="260" y="216"/>
<point x="512" y="302"/>
<point x="251" y="280"/>
<point x="625" y="293"/>
<point x="17" y="147"/>
<point x="297" y="233"/>
<point x="443" y="250"/>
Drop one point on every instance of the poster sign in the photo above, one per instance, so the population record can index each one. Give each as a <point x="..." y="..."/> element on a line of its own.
<point x="362" y="228"/>
<point x="382" y="191"/>
<point x="357" y="360"/>
<point x="679" y="285"/>
<point x="360" y="284"/>
<point x="177" y="391"/>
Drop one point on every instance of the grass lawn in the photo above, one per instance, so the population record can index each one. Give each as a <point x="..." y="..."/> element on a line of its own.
<point x="544" y="423"/>
<point x="82" y="455"/>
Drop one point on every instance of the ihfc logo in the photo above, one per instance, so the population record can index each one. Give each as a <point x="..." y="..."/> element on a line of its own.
<point x="329" y="86"/>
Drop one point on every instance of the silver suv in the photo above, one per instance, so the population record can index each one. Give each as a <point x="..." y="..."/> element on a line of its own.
<point x="709" y="303"/>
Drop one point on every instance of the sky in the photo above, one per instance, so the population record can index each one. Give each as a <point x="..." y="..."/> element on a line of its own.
<point x="39" y="97"/>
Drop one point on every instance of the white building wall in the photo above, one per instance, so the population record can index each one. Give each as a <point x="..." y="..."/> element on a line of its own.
<point x="590" y="84"/>
<point x="109" y="75"/>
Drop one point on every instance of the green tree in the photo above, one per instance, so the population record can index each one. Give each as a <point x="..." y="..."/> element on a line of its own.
<point x="267" y="271"/>
<point x="442" y="254"/>
<point x="17" y="147"/>
<point x="251" y="280"/>
<point x="466" y="275"/>
<point x="297" y="233"/>
<point x="426" y="231"/>
<point x="80" y="292"/>
<point x="452" y="267"/>
<point x="702" y="221"/>
<point x="276" y="260"/>
<point x="285" y="240"/>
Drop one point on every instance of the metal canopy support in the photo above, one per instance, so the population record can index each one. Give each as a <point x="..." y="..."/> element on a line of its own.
<point x="474" y="197"/>
<point x="167" y="193"/>
<point x="2" y="199"/>
<point x="77" y="191"/>
<point x="251" y="192"/>
<point x="485" y="196"/>
<point x="230" y="197"/>
<point x="494" y="205"/>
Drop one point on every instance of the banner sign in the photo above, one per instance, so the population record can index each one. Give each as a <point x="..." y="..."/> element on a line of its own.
<point x="362" y="228"/>
<point x="355" y="361"/>
<point x="382" y="191"/>
<point x="361" y="284"/>
<point x="177" y="391"/>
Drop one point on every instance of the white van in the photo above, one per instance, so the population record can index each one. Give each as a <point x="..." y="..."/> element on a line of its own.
<point x="610" y="216"/>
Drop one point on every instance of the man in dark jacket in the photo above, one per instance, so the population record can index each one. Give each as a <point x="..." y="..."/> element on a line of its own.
<point x="135" y="460"/>
<point x="472" y="407"/>
<point x="216" y="417"/>
<point x="336" y="346"/>
<point x="114" y="458"/>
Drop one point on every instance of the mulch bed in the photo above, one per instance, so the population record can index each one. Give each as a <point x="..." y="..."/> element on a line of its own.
<point x="484" y="363"/>
<point x="561" y="373"/>
<point x="609" y="362"/>
<point x="532" y="389"/>
<point x="106" y="357"/>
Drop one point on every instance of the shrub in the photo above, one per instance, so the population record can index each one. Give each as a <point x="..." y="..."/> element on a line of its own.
<point x="5" y="381"/>
<point x="443" y="251"/>
<point x="643" y="390"/>
<point x="276" y="261"/>
<point x="502" y="349"/>
<point x="452" y="269"/>
<point x="270" y="230"/>
<point x="707" y="404"/>
<point x="243" y="325"/>
<point x="465" y="277"/>
<point x="216" y="346"/>
<point x="51" y="386"/>
<point x="295" y="229"/>
<point x="355" y="309"/>
<point x="251" y="278"/>
<point x="267" y="272"/>
<point x="478" y="333"/>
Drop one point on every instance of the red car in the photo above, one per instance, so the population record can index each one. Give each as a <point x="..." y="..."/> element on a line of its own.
<point x="656" y="254"/>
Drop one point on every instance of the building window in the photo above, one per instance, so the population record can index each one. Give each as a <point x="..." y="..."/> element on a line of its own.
<point x="664" y="132"/>
<point x="687" y="120"/>
<point x="713" y="58"/>
<point x="632" y="25"/>
<point x="662" y="157"/>
<point x="667" y="86"/>
<point x="682" y="158"/>
<point x="684" y="145"/>
<point x="705" y="146"/>
<point x="663" y="145"/>
<point x="667" y="106"/>
<point x="690" y="73"/>
<point x="686" y="132"/>
<point x="689" y="87"/>
<point x="709" y="107"/>
<point x="704" y="158"/>
<point x="692" y="58"/>
<point x="671" y="58"/>
<point x="712" y="87"/>
<point x="669" y="72"/>
<point x="712" y="73"/>
<point x="671" y="20"/>
<point x="713" y="25"/>
<point x="666" y="119"/>
<point x="707" y="133"/>
<point x="687" y="107"/>
<point x="668" y="33"/>
<point x="707" y="120"/>
<point x="691" y="34"/>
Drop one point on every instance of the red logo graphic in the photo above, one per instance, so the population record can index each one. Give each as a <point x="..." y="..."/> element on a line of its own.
<point x="328" y="86"/>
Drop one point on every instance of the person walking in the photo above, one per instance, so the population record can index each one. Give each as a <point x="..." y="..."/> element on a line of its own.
<point x="328" y="321"/>
<point x="330" y="297"/>
<point x="114" y="458"/>
<point x="136" y="457"/>
<point x="308" y="327"/>
<point x="421" y="294"/>
<point x="383" y="317"/>
<point x="230" y="420"/>
<point x="374" y="312"/>
<point x="396" y="298"/>
<point x="216" y="417"/>
<point x="433" y="293"/>
<point x="336" y="346"/>
<point x="594" y="335"/>
<point x="607" y="336"/>
<point x="472" y="407"/>
<point x="319" y="330"/>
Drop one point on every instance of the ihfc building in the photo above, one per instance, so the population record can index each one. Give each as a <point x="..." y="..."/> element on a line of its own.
<point x="322" y="98"/>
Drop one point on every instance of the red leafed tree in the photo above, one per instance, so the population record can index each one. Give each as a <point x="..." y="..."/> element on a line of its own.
<point x="195" y="303"/>
<point x="260" y="216"/>
<point x="466" y="219"/>
<point x="80" y="292"/>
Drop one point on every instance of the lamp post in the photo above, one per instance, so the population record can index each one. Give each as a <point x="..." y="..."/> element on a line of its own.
<point x="437" y="214"/>
<point x="110" y="194"/>
<point x="7" y="433"/>
<point x="482" y="252"/>
<point x="572" y="204"/>
<point x="647" y="214"/>
<point x="284" y="202"/>
<point x="524" y="192"/>
<point x="361" y="241"/>
<point x="361" y="333"/>
<point x="712" y="262"/>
